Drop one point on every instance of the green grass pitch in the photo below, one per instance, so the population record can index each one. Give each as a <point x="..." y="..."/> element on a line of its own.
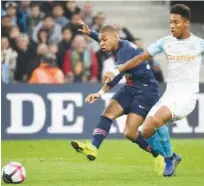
<point x="119" y="163"/>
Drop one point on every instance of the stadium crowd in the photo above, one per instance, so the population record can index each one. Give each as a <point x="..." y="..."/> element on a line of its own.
<point x="31" y="30"/>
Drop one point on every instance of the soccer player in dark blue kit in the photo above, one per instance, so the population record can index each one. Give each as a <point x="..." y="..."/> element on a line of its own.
<point x="135" y="99"/>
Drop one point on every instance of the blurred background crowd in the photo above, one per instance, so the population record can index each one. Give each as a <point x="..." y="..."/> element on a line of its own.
<point x="32" y="29"/>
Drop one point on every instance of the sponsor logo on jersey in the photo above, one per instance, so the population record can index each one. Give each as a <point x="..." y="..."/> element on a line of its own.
<point x="181" y="57"/>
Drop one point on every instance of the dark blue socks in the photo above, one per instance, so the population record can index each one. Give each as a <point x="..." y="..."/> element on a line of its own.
<point x="142" y="143"/>
<point x="101" y="131"/>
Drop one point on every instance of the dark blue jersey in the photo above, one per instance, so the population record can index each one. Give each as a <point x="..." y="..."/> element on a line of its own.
<point x="141" y="74"/>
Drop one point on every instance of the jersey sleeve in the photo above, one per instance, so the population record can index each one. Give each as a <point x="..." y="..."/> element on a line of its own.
<point x="156" y="48"/>
<point x="115" y="81"/>
<point x="94" y="35"/>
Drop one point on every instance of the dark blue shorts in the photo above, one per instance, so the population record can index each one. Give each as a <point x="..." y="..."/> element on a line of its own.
<point x="138" y="100"/>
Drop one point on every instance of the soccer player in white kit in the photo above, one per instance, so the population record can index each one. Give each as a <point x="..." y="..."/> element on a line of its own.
<point x="184" y="53"/>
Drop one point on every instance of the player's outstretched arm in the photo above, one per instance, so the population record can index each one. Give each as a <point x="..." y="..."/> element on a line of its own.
<point x="134" y="62"/>
<point x="84" y="28"/>
<point x="91" y="98"/>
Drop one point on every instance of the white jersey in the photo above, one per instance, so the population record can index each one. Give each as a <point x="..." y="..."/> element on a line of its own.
<point x="184" y="60"/>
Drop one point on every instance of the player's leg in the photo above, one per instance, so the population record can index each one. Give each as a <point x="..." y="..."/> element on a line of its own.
<point x="165" y="140"/>
<point x="163" y="132"/>
<point x="112" y="111"/>
<point x="153" y="122"/>
<point x="131" y="132"/>
<point x="168" y="108"/>
<point x="173" y="107"/>
<point x="140" y="106"/>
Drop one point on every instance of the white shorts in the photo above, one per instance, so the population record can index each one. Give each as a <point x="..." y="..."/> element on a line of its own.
<point x="180" y="104"/>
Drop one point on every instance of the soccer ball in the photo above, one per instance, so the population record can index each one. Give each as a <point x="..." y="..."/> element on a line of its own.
<point x="13" y="172"/>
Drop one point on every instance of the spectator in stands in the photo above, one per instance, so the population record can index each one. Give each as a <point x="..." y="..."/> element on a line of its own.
<point x="4" y="72"/>
<point x="81" y="53"/>
<point x="13" y="35"/>
<point x="65" y="44"/>
<point x="47" y="72"/>
<point x="78" y="73"/>
<point x="3" y="12"/>
<point x="11" y="11"/>
<point x="87" y="13"/>
<point x="58" y="14"/>
<point x="8" y="60"/>
<point x="98" y="21"/>
<point x="53" y="49"/>
<point x="71" y="8"/>
<point x="53" y="30"/>
<point x="153" y="63"/>
<point x="34" y="17"/>
<point x="25" y="55"/>
<point x="92" y="44"/>
<point x="23" y="12"/>
<point x="45" y="6"/>
<point x="42" y="51"/>
<point x="72" y="25"/>
<point x="25" y="6"/>
<point x="16" y="16"/>
<point x="43" y="36"/>
<point x="5" y="26"/>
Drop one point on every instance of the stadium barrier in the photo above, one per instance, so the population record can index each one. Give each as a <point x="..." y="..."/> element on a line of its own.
<point x="59" y="111"/>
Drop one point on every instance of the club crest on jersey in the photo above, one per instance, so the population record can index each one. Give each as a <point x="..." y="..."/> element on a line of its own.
<point x="128" y="75"/>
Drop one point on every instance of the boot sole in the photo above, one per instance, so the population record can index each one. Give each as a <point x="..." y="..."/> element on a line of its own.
<point x="79" y="149"/>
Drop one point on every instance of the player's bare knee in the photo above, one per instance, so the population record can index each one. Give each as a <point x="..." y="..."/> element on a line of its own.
<point x="130" y="134"/>
<point x="155" y="121"/>
<point x="146" y="131"/>
<point x="147" y="128"/>
<point x="109" y="115"/>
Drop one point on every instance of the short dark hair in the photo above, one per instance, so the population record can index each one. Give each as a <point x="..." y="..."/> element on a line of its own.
<point x="35" y="5"/>
<point x="49" y="58"/>
<point x="66" y="28"/>
<point x="108" y="28"/>
<point x="182" y="10"/>
<point x="75" y="13"/>
<point x="48" y="17"/>
<point x="57" y="5"/>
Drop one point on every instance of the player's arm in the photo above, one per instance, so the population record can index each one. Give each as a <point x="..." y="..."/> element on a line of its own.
<point x="134" y="62"/>
<point x="84" y="28"/>
<point x="91" y="98"/>
<point x="152" y="51"/>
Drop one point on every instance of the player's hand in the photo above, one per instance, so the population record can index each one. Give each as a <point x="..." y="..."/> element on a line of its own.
<point x="91" y="98"/>
<point x="107" y="77"/>
<point x="84" y="27"/>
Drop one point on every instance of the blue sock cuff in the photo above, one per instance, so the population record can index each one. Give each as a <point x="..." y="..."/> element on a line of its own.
<point x="101" y="131"/>
<point x="107" y="119"/>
